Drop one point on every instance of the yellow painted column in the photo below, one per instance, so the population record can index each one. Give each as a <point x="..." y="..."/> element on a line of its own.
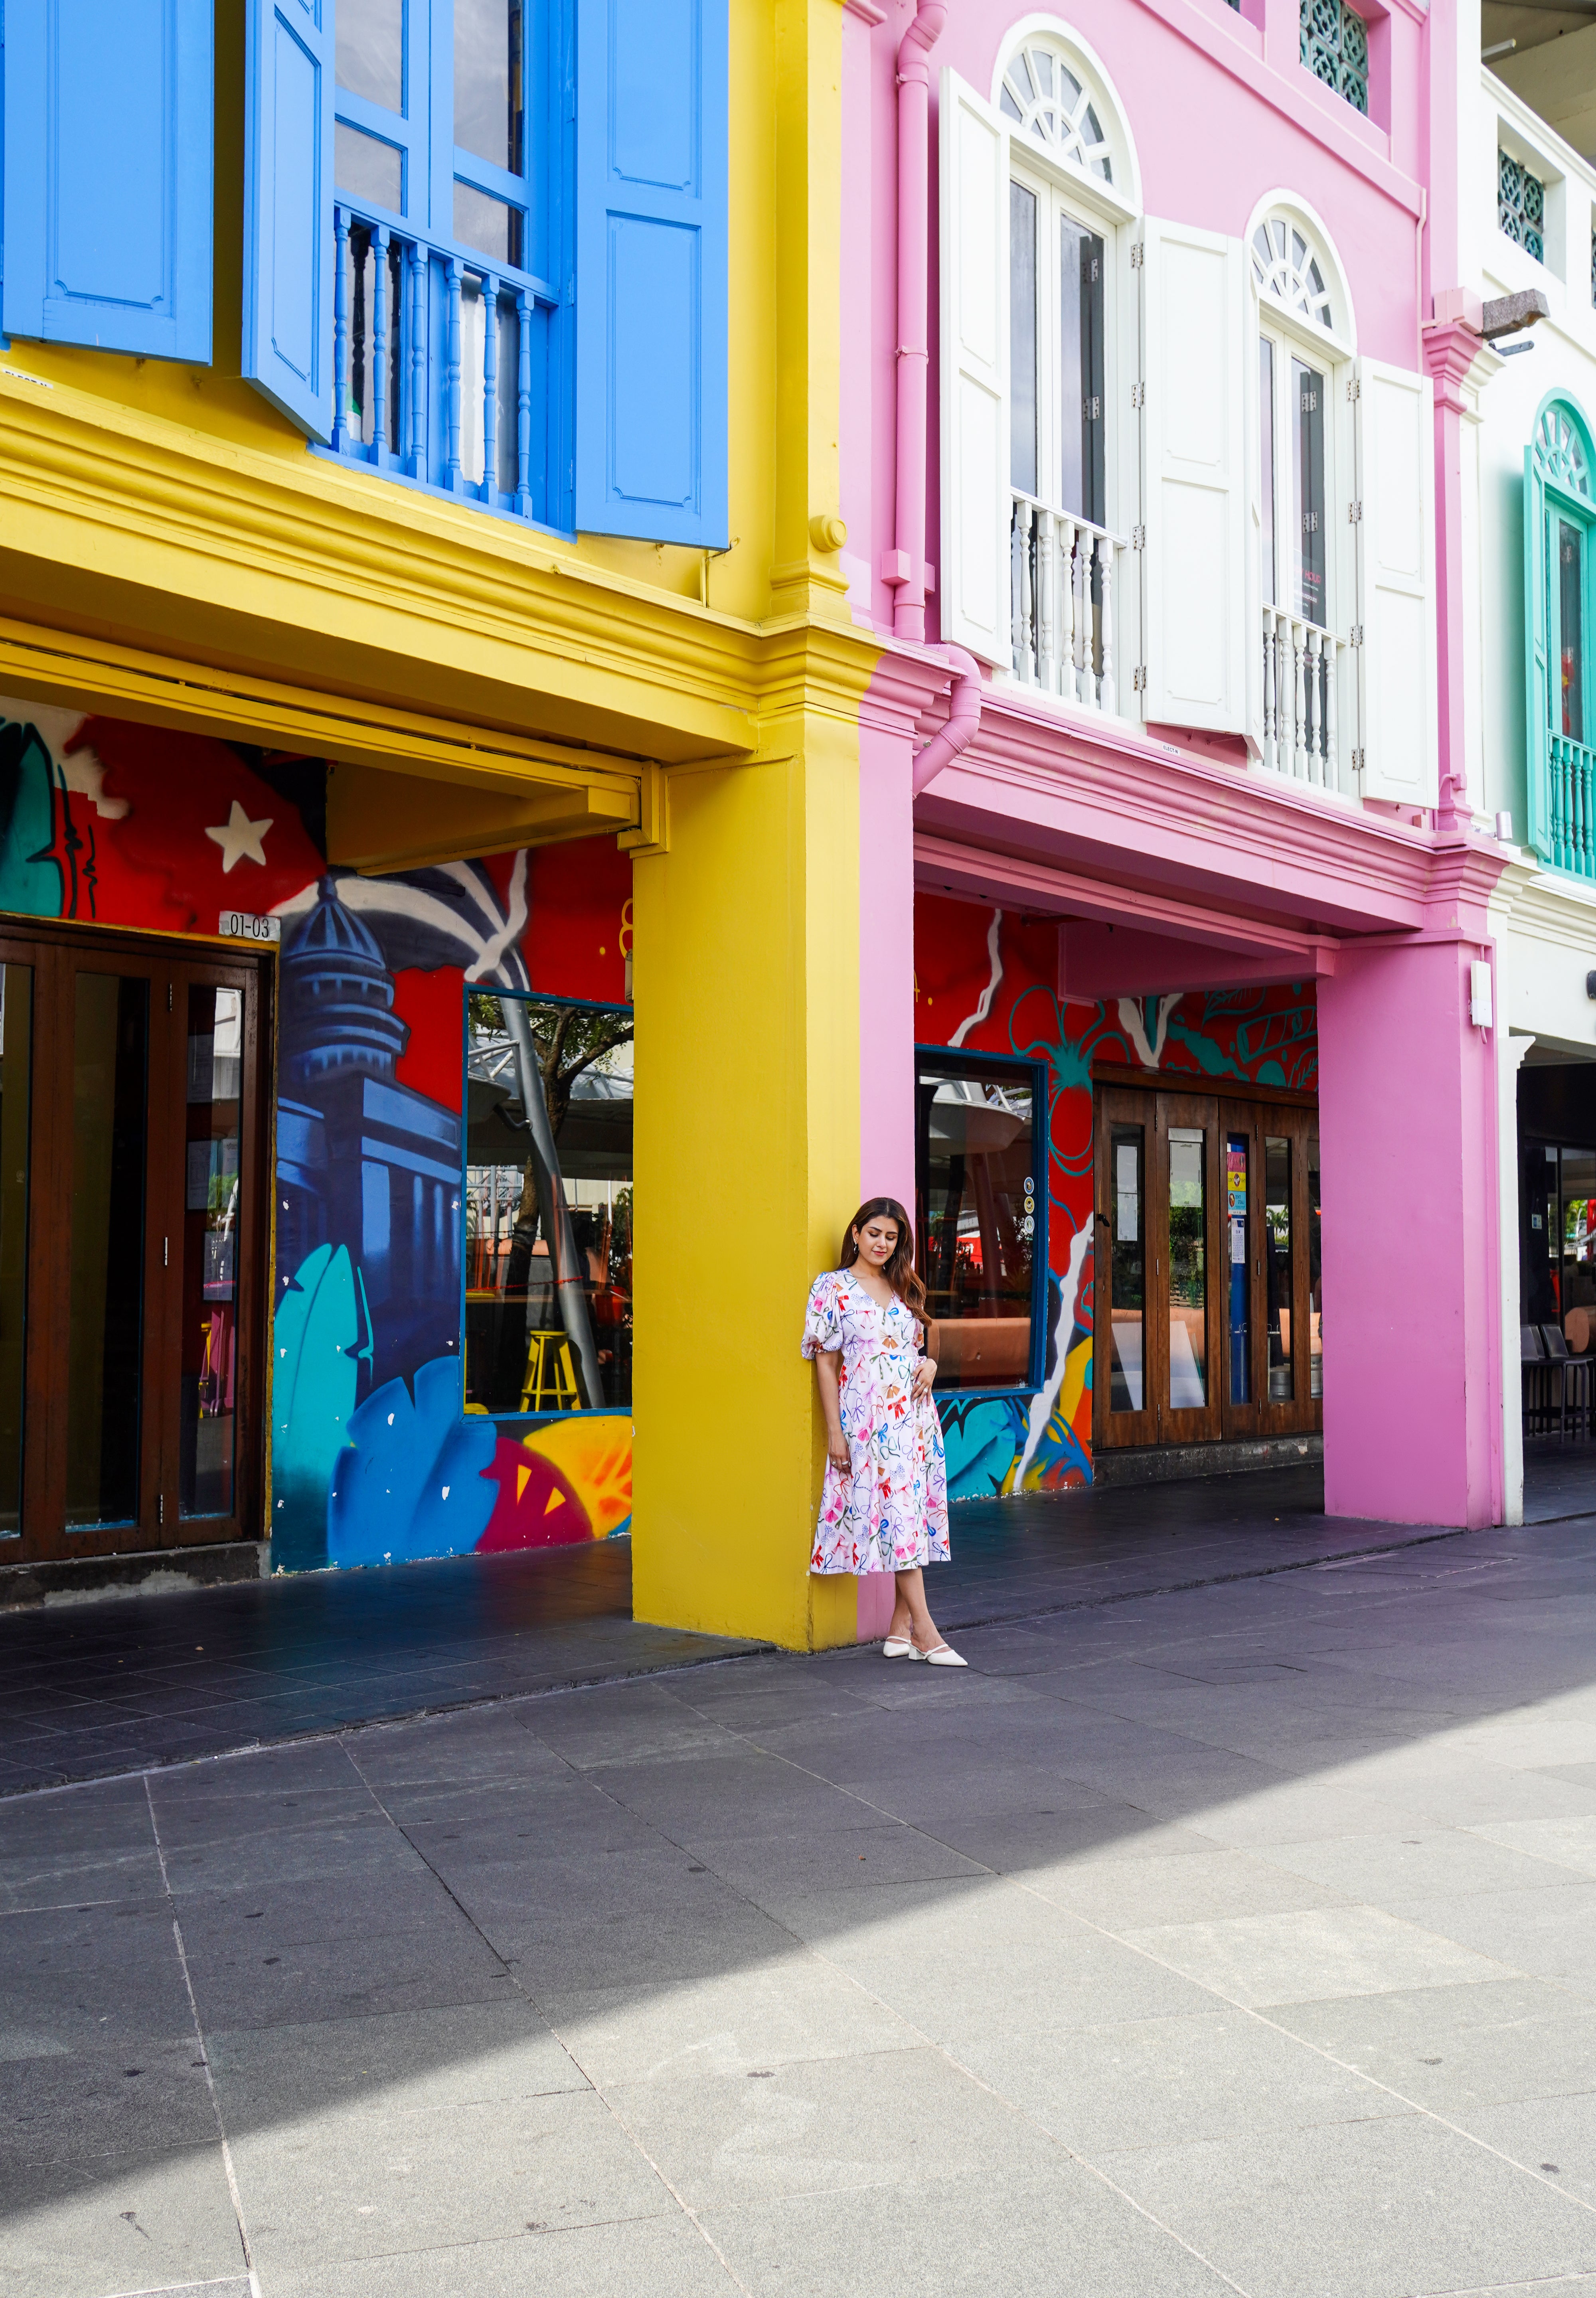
<point x="745" y="974"/>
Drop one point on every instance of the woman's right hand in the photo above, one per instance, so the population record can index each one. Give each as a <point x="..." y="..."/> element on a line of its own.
<point x="837" y="1455"/>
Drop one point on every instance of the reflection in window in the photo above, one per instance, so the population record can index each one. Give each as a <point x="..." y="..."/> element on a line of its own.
<point x="1080" y="372"/>
<point x="1316" y="1385"/>
<point x="1238" y="1148"/>
<point x="1276" y="1249"/>
<point x="371" y="50"/>
<point x="1128" y="1281"/>
<point x="1188" y="1270"/>
<point x="547" y="1205"/>
<point x="1307" y="474"/>
<point x="105" y="1289"/>
<point x="980" y="1223"/>
<point x="1571" y="627"/>
<point x="1265" y="442"/>
<point x="1022" y="339"/>
<point x="209" y="1252"/>
<point x="16" y="1041"/>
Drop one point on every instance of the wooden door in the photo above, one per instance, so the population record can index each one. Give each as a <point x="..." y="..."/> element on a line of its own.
<point x="131" y="1240"/>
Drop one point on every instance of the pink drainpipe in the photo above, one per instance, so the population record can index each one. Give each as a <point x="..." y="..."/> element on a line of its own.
<point x="905" y="566"/>
<point x="964" y="716"/>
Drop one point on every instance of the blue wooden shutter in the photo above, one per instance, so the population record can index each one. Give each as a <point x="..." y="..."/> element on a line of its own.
<point x="1537" y="696"/>
<point x="108" y="176"/>
<point x="651" y="268"/>
<point x="288" y="209"/>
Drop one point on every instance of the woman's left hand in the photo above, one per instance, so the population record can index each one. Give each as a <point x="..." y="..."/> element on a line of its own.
<point x="925" y="1374"/>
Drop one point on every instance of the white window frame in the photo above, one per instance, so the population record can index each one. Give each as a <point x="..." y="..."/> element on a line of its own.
<point x="1332" y="352"/>
<point x="1112" y="210"/>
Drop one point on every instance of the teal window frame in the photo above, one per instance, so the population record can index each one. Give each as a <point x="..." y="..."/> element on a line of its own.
<point x="1559" y="489"/>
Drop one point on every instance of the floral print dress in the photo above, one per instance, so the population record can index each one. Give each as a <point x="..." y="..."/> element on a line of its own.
<point x="891" y="1512"/>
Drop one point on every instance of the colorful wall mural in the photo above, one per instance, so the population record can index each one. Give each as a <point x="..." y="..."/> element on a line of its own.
<point x="372" y="1457"/>
<point x="987" y="980"/>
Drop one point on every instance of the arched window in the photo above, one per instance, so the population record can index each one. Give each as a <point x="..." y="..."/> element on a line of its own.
<point x="1046" y="101"/>
<point x="1286" y="270"/>
<point x="1559" y="553"/>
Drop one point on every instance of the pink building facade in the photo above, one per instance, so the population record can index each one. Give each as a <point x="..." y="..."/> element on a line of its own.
<point x="1177" y="1002"/>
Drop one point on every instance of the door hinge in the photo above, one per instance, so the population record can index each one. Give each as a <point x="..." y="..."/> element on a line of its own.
<point x="1091" y="409"/>
<point x="166" y="1252"/>
<point x="1309" y="402"/>
<point x="161" y="1508"/>
<point x="1138" y="679"/>
<point x="1354" y="389"/>
<point x="168" y="996"/>
<point x="1138" y="394"/>
<point x="1310" y="522"/>
<point x="1356" y="638"/>
<point x="1139" y="538"/>
<point x="1354" y="511"/>
<point x="1357" y="762"/>
<point x="1138" y="254"/>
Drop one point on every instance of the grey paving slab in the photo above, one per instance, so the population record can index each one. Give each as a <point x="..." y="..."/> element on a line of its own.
<point x="1201" y="1884"/>
<point x="1555" y="2135"/>
<point x="1380" y="2209"/>
<point x="1322" y="1951"/>
<point x="132" y="2226"/>
<point x="668" y="2257"/>
<point x="354" y="2182"/>
<point x="1548" y="1932"/>
<point x="1452" y="2047"/>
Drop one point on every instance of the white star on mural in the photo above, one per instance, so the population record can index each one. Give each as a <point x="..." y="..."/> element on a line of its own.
<point x="239" y="837"/>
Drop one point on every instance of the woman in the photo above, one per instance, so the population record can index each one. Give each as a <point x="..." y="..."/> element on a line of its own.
<point x="884" y="1508"/>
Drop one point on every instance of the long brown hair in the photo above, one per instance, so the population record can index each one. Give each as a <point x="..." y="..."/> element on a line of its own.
<point x="899" y="1272"/>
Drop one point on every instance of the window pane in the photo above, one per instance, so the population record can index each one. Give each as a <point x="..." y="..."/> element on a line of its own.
<point x="1237" y="1149"/>
<point x="1127" y="1294"/>
<point x="104" y="1298"/>
<point x="547" y="1205"/>
<point x="16" y="1041"/>
<point x="1080" y="366"/>
<point x="1316" y="1386"/>
<point x="1571" y="624"/>
<point x="488" y="225"/>
<point x="1022" y="338"/>
<point x="1578" y="1289"/>
<point x="1277" y="1263"/>
<point x="1188" y="1268"/>
<point x="367" y="168"/>
<point x="488" y="81"/>
<point x="371" y="54"/>
<point x="1266" y="487"/>
<point x="209" y="1258"/>
<point x="977" y="1179"/>
<point x="1308" y="388"/>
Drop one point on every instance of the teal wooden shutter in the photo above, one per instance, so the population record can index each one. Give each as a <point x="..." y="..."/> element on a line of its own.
<point x="1537" y="691"/>
<point x="108" y="174"/>
<point x="288" y="209"/>
<point x="651" y="268"/>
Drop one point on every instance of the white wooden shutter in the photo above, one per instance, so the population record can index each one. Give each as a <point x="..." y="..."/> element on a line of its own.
<point x="974" y="374"/>
<point x="1194" y="478"/>
<point x="1394" y="522"/>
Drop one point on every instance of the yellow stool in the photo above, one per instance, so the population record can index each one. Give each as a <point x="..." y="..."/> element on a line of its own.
<point x="550" y="1383"/>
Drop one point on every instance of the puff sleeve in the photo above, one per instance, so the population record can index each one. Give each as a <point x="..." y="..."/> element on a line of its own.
<point x="823" y="1321"/>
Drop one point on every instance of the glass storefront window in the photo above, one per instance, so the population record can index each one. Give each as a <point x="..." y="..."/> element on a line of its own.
<point x="105" y="1285"/>
<point x="980" y="1181"/>
<point x="1278" y="1265"/>
<point x="1188" y="1270"/>
<point x="1128" y="1268"/>
<point x="210" y="1262"/>
<point x="1237" y="1156"/>
<point x="547" y="1205"/>
<point x="16" y="1045"/>
<point x="1316" y="1362"/>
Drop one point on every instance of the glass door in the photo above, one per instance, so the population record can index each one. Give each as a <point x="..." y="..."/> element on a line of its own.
<point x="1190" y="1270"/>
<point x="1123" y="1407"/>
<point x="130" y="1242"/>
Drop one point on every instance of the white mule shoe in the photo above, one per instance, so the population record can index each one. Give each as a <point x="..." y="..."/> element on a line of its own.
<point x="940" y="1655"/>
<point x="896" y="1647"/>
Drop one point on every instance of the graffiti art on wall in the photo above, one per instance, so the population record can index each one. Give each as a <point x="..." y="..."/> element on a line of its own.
<point x="988" y="980"/>
<point x="373" y="1457"/>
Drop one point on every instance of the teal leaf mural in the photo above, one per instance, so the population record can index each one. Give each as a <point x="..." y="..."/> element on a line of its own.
<point x="315" y="1336"/>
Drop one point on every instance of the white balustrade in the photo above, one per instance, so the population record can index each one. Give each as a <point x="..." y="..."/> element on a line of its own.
<point x="1302" y="672"/>
<point x="1062" y="572"/>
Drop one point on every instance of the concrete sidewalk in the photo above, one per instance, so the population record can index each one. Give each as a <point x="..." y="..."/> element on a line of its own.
<point x="124" y="1683"/>
<point x="1237" y="1939"/>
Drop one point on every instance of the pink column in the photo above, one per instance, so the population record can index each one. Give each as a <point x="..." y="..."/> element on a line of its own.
<point x="1408" y="1136"/>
